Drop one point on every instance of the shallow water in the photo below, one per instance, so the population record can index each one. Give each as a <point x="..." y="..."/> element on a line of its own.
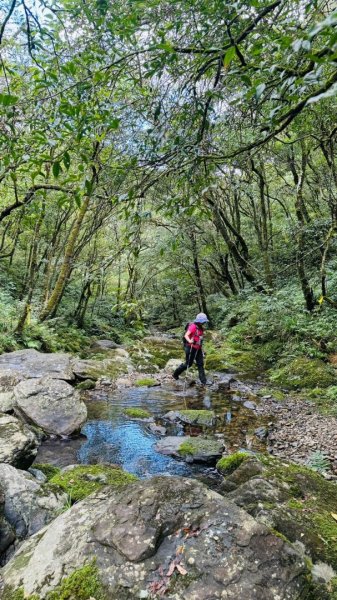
<point x="112" y="437"/>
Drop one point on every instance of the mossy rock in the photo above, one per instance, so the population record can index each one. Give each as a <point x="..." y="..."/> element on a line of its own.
<point x="145" y="382"/>
<point x="303" y="372"/>
<point x="48" y="470"/>
<point x="137" y="413"/>
<point x="198" y="447"/>
<point x="87" y="384"/>
<point x="204" y="418"/>
<point x="82" y="584"/>
<point x="83" y="480"/>
<point x="152" y="351"/>
<point x="298" y="501"/>
<point x="227" y="464"/>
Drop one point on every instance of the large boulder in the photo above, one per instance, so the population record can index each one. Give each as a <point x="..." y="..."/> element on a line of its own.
<point x="29" y="364"/>
<point x="18" y="444"/>
<point x="103" y="345"/>
<point x="51" y="404"/>
<point x="111" y="367"/>
<point x="28" y="504"/>
<point x="169" y="536"/>
<point x="294" y="500"/>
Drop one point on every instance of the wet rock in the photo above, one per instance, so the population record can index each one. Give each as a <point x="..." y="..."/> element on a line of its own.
<point x="29" y="364"/>
<point x="135" y="534"/>
<point x="225" y="383"/>
<point x="203" y="418"/>
<point x="157" y="429"/>
<point x="29" y="505"/>
<point x="51" y="404"/>
<point x="18" y="444"/>
<point x="191" y="449"/>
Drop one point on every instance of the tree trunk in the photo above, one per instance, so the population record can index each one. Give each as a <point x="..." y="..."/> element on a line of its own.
<point x="56" y="294"/>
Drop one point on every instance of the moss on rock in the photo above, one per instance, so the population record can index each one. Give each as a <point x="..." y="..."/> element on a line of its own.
<point x="48" y="470"/>
<point x="83" y="584"/>
<point x="87" y="384"/>
<point x="145" y="382"/>
<point x="152" y="351"/>
<point x="137" y="413"/>
<point x="300" y="503"/>
<point x="199" y="446"/>
<point x="303" y="372"/>
<point x="227" y="464"/>
<point x="83" y="480"/>
<point x="204" y="418"/>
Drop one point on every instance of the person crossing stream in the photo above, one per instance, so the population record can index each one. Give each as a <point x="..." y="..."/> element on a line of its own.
<point x="193" y="341"/>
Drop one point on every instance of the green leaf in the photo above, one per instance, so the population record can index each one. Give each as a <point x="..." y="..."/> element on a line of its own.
<point x="259" y="90"/>
<point x="114" y="123"/>
<point x="56" y="169"/>
<point x="66" y="160"/>
<point x="230" y="54"/>
<point x="88" y="186"/>
<point x="8" y="99"/>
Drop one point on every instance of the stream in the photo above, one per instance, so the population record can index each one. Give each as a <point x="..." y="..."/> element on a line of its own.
<point x="109" y="436"/>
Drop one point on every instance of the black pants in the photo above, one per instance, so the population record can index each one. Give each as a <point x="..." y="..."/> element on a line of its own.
<point x="192" y="355"/>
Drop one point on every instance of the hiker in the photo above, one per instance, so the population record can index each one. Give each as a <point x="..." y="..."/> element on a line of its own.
<point x="193" y="339"/>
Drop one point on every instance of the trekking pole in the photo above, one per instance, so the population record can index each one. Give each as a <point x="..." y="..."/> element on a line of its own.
<point x="185" y="380"/>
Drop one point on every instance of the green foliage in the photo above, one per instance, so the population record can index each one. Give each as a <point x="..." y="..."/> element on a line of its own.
<point x="318" y="461"/>
<point x="83" y="480"/>
<point x="303" y="373"/>
<point x="228" y="464"/>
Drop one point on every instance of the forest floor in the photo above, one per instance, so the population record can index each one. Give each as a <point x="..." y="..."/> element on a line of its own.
<point x="299" y="430"/>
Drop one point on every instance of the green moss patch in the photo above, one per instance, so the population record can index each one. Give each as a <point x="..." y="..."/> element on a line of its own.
<point x="152" y="351"/>
<point x="303" y="372"/>
<point x="306" y="513"/>
<point x="199" y="446"/>
<point x="82" y="584"/>
<point x="87" y="384"/>
<point x="48" y="470"/>
<point x="197" y="417"/>
<point x="137" y="413"/>
<point x="83" y="480"/>
<point x="146" y="382"/>
<point x="228" y="464"/>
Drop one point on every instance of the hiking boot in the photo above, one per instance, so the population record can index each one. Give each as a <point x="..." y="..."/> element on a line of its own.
<point x="176" y="377"/>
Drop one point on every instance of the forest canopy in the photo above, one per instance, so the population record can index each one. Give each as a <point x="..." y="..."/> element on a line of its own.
<point x="158" y="158"/>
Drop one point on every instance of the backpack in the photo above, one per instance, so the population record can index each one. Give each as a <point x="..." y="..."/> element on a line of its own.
<point x="183" y="337"/>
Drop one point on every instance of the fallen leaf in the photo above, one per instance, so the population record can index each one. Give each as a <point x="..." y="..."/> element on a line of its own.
<point x="334" y="516"/>
<point x="171" y="569"/>
<point x="181" y="570"/>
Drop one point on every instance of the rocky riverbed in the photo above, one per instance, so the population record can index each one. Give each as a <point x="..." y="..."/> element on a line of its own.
<point x="98" y="424"/>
